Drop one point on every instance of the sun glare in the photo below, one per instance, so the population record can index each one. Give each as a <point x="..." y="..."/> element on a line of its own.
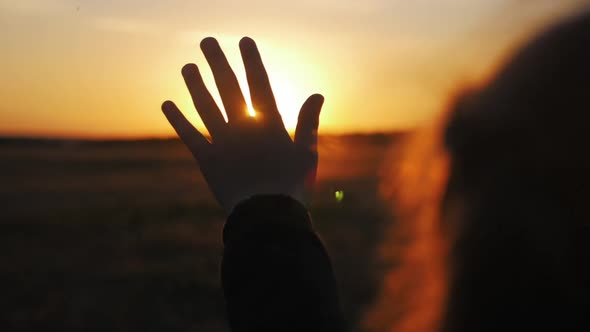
<point x="250" y="110"/>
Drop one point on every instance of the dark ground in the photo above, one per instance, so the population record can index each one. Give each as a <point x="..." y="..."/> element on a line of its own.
<point x="124" y="236"/>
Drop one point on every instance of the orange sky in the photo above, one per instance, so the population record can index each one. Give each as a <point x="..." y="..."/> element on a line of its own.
<point x="102" y="68"/>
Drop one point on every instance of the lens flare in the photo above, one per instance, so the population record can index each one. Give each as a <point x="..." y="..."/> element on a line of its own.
<point x="339" y="195"/>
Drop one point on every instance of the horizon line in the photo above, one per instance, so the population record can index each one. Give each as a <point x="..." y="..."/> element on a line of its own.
<point x="104" y="138"/>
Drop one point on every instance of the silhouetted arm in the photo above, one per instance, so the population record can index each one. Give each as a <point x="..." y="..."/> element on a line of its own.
<point x="276" y="274"/>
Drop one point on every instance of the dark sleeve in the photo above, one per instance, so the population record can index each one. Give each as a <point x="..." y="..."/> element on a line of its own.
<point x="276" y="274"/>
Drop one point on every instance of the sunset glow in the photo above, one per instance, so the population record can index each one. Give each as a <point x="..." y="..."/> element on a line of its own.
<point x="286" y="74"/>
<point x="102" y="68"/>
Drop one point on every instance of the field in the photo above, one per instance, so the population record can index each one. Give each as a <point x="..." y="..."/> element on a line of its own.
<point x="125" y="236"/>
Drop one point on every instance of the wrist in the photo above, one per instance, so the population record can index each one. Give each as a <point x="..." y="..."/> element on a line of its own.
<point x="298" y="195"/>
<point x="261" y="212"/>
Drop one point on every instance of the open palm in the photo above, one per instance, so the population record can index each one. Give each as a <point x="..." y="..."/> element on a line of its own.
<point x="247" y="155"/>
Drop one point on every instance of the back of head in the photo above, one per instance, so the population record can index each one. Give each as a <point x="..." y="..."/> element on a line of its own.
<point x="519" y="188"/>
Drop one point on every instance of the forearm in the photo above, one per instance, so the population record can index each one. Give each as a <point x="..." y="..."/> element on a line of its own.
<point x="276" y="273"/>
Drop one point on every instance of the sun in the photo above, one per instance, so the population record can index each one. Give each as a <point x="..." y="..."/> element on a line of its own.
<point x="289" y="96"/>
<point x="288" y="99"/>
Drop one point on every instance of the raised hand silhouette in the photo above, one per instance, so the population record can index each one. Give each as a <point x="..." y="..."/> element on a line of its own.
<point x="247" y="155"/>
